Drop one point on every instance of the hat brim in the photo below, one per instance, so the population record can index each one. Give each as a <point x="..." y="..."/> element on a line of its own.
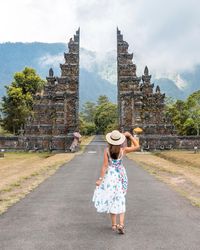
<point x="114" y="142"/>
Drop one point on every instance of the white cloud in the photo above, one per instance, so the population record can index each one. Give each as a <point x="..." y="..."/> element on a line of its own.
<point x="49" y="60"/>
<point x="165" y="35"/>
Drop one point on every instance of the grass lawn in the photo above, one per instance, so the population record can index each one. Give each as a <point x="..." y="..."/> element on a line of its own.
<point x="21" y="172"/>
<point x="179" y="169"/>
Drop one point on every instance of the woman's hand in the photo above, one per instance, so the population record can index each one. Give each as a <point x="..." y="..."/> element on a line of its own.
<point x="134" y="143"/>
<point x="98" y="182"/>
<point x="127" y="134"/>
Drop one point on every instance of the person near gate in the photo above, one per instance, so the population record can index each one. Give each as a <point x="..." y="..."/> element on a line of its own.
<point x="76" y="140"/>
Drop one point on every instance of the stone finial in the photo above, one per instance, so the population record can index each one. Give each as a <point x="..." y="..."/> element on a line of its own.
<point x="78" y="31"/>
<point x="146" y="77"/>
<point x="119" y="36"/>
<point x="157" y="89"/>
<point x="51" y="73"/>
<point x="146" y="71"/>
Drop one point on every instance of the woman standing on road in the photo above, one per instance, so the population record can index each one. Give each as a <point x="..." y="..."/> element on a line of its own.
<point x="109" y="195"/>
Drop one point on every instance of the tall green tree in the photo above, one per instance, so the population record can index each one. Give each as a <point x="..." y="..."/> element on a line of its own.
<point x="86" y="128"/>
<point x="18" y="101"/>
<point x="193" y="121"/>
<point x="179" y="114"/>
<point x="88" y="111"/>
<point x="102" y="99"/>
<point x="28" y="81"/>
<point x="105" y="116"/>
<point x="186" y="114"/>
<point x="98" y="117"/>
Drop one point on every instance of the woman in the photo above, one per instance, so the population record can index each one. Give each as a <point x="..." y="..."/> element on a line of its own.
<point x="109" y="195"/>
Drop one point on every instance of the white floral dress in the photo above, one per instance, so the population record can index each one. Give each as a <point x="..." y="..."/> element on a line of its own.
<point x="109" y="196"/>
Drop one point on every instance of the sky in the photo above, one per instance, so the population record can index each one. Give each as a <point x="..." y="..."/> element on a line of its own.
<point x="163" y="34"/>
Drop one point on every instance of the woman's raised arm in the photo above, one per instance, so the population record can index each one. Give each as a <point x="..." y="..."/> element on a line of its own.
<point x="134" y="143"/>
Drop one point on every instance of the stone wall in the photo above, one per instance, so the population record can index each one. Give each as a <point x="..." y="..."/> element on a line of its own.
<point x="148" y="142"/>
<point x="161" y="142"/>
<point x="187" y="142"/>
<point x="12" y="143"/>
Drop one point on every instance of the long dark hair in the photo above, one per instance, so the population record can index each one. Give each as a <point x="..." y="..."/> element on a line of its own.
<point x="114" y="151"/>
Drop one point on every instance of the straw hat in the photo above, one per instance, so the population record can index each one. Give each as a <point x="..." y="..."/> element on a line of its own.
<point x="115" y="138"/>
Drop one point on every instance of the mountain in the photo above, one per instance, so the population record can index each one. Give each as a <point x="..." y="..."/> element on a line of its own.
<point x="98" y="75"/>
<point x="192" y="78"/>
<point x="92" y="85"/>
<point x="15" y="56"/>
<point x="169" y="87"/>
<point x="42" y="56"/>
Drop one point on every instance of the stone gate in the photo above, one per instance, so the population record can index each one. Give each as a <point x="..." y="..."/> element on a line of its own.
<point x="56" y="109"/>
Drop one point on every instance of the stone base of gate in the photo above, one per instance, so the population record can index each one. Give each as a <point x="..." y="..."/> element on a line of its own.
<point x="167" y="142"/>
<point x="36" y="143"/>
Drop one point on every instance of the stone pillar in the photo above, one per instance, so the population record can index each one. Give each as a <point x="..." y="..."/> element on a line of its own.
<point x="129" y="95"/>
<point x="138" y="104"/>
<point x="55" y="111"/>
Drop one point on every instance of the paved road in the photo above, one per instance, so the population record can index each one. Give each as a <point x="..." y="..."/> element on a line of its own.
<point x="59" y="214"/>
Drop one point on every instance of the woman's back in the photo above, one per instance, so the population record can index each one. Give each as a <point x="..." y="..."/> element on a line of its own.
<point x="115" y="162"/>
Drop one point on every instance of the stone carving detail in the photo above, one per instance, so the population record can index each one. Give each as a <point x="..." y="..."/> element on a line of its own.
<point x="158" y="89"/>
<point x="55" y="114"/>
<point x="138" y="104"/>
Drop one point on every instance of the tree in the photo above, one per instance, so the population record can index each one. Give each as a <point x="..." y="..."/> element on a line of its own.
<point x="105" y="116"/>
<point x="99" y="117"/>
<point x="186" y="114"/>
<point x="102" y="99"/>
<point x="28" y="81"/>
<point x="17" y="104"/>
<point x="88" y="111"/>
<point x="86" y="128"/>
<point x="179" y="114"/>
<point x="193" y="103"/>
